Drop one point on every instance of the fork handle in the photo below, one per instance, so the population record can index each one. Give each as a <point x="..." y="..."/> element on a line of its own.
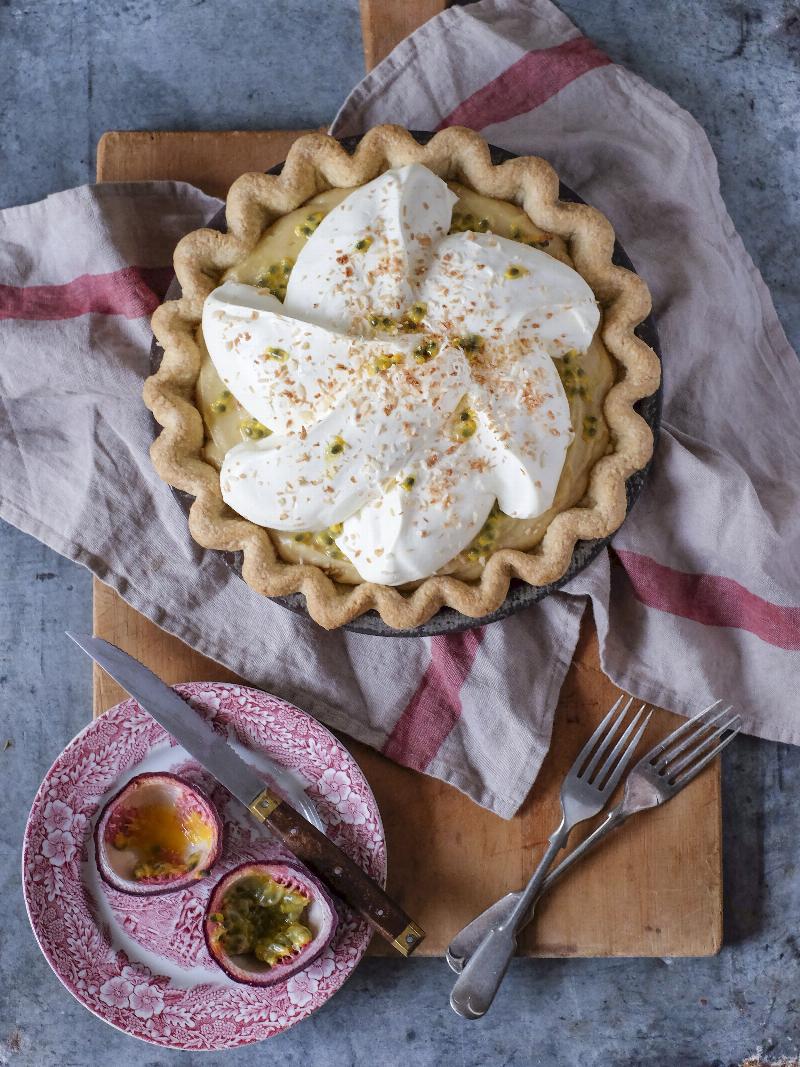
<point x="558" y="840"/>
<point x="616" y="817"/>
<point x="466" y="941"/>
<point x="476" y="986"/>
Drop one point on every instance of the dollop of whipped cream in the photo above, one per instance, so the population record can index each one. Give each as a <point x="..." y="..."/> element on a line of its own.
<point x="408" y="379"/>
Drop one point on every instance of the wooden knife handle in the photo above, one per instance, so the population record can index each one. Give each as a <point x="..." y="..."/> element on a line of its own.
<point x="338" y="871"/>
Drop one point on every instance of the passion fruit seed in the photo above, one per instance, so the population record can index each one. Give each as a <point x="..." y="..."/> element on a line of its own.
<point x="384" y="362"/>
<point x="325" y="541"/>
<point x="471" y="344"/>
<point x="408" y="483"/>
<point x="465" y="425"/>
<point x="336" y="446"/>
<point x="517" y="233"/>
<point x="425" y="351"/>
<point x="253" y="430"/>
<point x="312" y="221"/>
<point x="515" y="271"/>
<point x="272" y="950"/>
<point x="298" y="935"/>
<point x="267" y="893"/>
<point x="220" y="405"/>
<point x="363" y="244"/>
<point x="571" y="372"/>
<point x="462" y="221"/>
<point x="384" y="323"/>
<point x="164" y="869"/>
<point x="589" y="426"/>
<point x="293" y="904"/>
<point x="486" y="536"/>
<point x="417" y="312"/>
<point x="275" y="278"/>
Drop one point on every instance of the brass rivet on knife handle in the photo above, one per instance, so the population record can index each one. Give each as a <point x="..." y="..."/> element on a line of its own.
<point x="409" y="939"/>
<point x="264" y="805"/>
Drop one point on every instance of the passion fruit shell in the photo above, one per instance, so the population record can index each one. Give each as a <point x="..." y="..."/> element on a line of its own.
<point x="158" y="834"/>
<point x="224" y="930"/>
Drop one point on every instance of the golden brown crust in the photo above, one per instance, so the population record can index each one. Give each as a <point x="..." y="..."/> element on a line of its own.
<point x="317" y="162"/>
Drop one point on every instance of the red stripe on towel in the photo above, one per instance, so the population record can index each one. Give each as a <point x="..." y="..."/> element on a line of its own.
<point x="712" y="600"/>
<point x="435" y="708"/>
<point x="527" y="83"/>
<point x="131" y="292"/>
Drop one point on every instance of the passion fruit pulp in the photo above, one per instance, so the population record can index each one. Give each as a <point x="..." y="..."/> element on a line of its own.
<point x="266" y="921"/>
<point x="158" y="834"/>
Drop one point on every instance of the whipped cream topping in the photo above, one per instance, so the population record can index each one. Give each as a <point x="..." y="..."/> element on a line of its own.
<point x="408" y="379"/>
<point x="399" y="217"/>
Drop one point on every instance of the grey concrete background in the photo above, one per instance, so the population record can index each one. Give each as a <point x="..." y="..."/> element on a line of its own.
<point x="70" y="70"/>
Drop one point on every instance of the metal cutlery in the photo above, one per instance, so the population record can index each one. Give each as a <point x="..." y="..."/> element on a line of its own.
<point x="654" y="780"/>
<point x="261" y="799"/>
<point x="585" y="791"/>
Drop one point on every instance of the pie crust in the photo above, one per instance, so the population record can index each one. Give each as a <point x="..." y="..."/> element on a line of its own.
<point x="317" y="162"/>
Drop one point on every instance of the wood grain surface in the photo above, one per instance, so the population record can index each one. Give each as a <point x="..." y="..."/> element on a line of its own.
<point x="654" y="889"/>
<point x="384" y="23"/>
<point x="140" y="155"/>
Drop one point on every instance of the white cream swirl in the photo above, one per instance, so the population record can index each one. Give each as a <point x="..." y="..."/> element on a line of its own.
<point x="404" y="438"/>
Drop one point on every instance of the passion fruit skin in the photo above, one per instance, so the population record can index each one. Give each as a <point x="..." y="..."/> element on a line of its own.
<point x="322" y="920"/>
<point x="183" y="881"/>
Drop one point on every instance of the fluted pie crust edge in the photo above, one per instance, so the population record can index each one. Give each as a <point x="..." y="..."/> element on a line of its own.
<point x="317" y="162"/>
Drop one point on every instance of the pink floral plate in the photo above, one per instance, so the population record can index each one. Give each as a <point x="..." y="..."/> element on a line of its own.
<point x="140" y="963"/>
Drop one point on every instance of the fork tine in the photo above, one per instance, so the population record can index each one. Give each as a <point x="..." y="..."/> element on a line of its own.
<point x="627" y="755"/>
<point x="604" y="734"/>
<point x="692" y="738"/>
<point x="691" y="724"/>
<point x="698" y="750"/>
<point x="684" y="779"/>
<point x="618" y="748"/>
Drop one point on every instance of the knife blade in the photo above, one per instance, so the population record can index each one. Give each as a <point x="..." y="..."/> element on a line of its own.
<point x="305" y="840"/>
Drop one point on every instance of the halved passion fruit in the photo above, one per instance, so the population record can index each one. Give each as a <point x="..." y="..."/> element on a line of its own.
<point x="266" y="921"/>
<point x="157" y="835"/>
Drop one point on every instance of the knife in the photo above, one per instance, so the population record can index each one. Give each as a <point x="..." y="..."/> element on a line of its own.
<point x="309" y="844"/>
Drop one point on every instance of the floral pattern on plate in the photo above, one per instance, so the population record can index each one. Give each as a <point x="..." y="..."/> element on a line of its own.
<point x="140" y="963"/>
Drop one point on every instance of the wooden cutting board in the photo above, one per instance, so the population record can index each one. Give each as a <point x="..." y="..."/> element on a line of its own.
<point x="654" y="889"/>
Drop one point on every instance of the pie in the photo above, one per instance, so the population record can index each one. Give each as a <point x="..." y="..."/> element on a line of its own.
<point x="402" y="378"/>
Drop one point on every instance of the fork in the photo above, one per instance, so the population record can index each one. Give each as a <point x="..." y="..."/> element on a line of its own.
<point x="654" y="780"/>
<point x="584" y="792"/>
